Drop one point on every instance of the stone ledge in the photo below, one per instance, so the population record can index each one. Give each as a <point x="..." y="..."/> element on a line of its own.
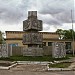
<point x="7" y="68"/>
<point x="61" y="69"/>
<point x="32" y="62"/>
<point x="4" y="68"/>
<point x="13" y="65"/>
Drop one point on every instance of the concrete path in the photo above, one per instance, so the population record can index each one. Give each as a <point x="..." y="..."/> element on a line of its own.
<point x="23" y="72"/>
<point x="30" y="67"/>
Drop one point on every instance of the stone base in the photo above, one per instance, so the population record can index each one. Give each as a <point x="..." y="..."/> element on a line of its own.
<point x="59" y="50"/>
<point x="32" y="51"/>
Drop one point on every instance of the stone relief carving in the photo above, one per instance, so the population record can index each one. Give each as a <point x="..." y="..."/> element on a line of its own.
<point x="25" y="25"/>
<point x="58" y="50"/>
<point x="32" y="25"/>
<point x="32" y="38"/>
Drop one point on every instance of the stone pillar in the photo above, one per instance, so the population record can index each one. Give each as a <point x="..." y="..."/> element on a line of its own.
<point x="4" y="50"/>
<point x="58" y="50"/>
<point x="32" y="37"/>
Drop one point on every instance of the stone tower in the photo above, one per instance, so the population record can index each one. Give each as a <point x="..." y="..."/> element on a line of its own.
<point x="31" y="26"/>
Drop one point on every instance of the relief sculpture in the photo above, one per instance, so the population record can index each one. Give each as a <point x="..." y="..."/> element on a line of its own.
<point x="32" y="25"/>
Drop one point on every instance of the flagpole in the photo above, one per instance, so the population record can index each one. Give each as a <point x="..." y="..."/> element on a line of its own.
<point x="72" y="33"/>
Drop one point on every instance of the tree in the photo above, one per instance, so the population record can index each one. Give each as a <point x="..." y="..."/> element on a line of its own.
<point x="65" y="34"/>
<point x="1" y="38"/>
<point x="61" y="33"/>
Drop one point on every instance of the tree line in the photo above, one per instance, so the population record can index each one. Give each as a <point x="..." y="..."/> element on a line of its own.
<point x="1" y="38"/>
<point x="66" y="34"/>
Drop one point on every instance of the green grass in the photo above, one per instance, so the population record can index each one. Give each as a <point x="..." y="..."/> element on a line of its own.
<point x="60" y="65"/>
<point x="32" y="58"/>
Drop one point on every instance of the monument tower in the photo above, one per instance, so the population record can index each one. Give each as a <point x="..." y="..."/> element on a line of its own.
<point x="31" y="26"/>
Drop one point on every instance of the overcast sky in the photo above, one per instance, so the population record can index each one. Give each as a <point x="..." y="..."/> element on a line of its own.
<point x="55" y="14"/>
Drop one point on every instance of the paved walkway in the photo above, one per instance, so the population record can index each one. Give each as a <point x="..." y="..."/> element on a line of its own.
<point x="30" y="67"/>
<point x="23" y="72"/>
<point x="40" y="67"/>
<point x="73" y="64"/>
<point x="36" y="69"/>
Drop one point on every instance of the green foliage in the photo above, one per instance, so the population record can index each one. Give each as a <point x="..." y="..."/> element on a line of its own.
<point x="66" y="34"/>
<point x="1" y="38"/>
<point x="32" y="58"/>
<point x="60" y="65"/>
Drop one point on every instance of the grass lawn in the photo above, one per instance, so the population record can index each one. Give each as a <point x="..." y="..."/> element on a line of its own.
<point x="60" y="65"/>
<point x="32" y="58"/>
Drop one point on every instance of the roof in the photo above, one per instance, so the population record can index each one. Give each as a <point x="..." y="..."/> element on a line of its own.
<point x="24" y="32"/>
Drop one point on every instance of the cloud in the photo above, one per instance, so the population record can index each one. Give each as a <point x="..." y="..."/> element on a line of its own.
<point x="55" y="6"/>
<point x="52" y="12"/>
<point x="59" y="9"/>
<point x="12" y="11"/>
<point x="49" y="19"/>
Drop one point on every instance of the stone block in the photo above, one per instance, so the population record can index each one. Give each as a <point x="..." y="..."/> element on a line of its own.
<point x="32" y="52"/>
<point x="32" y="38"/>
<point x="59" y="50"/>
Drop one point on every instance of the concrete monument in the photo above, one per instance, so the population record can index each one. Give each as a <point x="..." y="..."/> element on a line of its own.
<point x="3" y="50"/>
<point x="32" y="37"/>
<point x="58" y="50"/>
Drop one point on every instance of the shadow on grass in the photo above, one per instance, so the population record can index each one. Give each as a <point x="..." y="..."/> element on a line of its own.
<point x="32" y="58"/>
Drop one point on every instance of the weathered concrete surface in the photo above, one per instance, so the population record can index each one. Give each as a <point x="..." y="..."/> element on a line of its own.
<point x="59" y="50"/>
<point x="28" y="72"/>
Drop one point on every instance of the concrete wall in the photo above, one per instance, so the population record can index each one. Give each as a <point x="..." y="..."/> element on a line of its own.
<point x="19" y="42"/>
<point x="19" y="34"/>
<point x="47" y="50"/>
<point x="14" y="34"/>
<point x="17" y="51"/>
<point x="13" y="37"/>
<point x="32" y="52"/>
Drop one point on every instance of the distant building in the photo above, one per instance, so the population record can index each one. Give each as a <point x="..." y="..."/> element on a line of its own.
<point x="15" y="38"/>
<point x="32" y="24"/>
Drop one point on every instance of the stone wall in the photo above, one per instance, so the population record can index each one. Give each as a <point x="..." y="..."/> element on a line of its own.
<point x="47" y="50"/>
<point x="32" y="52"/>
<point x="7" y="50"/>
<point x="17" y="50"/>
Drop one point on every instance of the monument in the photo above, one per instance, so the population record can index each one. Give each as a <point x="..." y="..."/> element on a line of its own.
<point x="32" y="37"/>
<point x="3" y="50"/>
<point x="58" y="50"/>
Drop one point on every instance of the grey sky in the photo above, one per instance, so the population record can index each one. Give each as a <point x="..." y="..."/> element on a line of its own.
<point x="52" y="12"/>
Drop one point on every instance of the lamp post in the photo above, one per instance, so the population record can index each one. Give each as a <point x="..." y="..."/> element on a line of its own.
<point x="72" y="33"/>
